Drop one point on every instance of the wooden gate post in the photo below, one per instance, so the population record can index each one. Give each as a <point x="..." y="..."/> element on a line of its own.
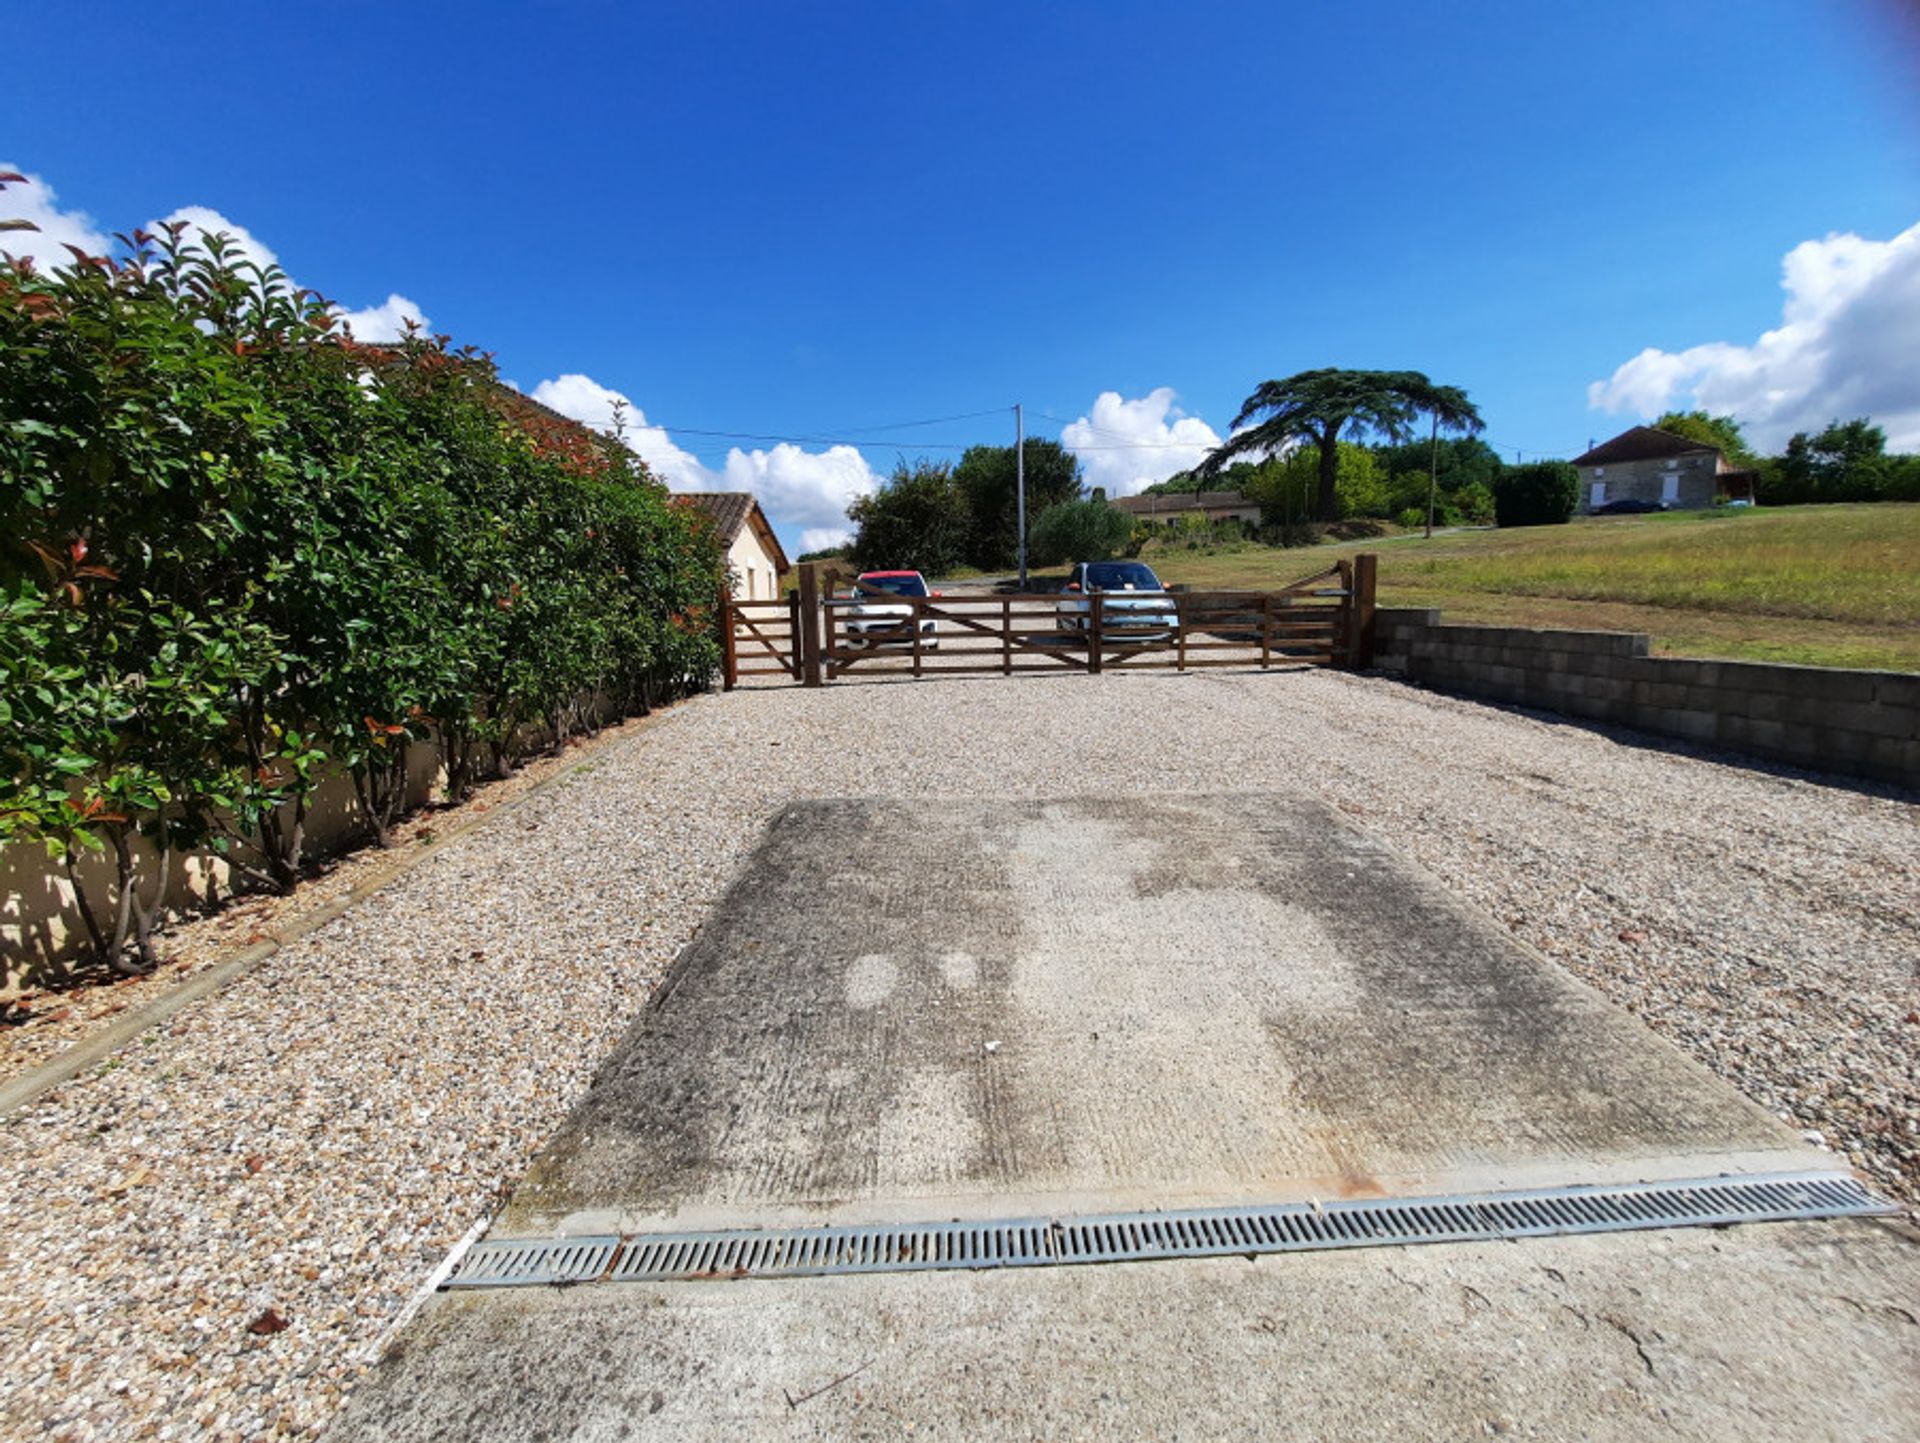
<point x="793" y="632"/>
<point x="729" y="653"/>
<point x="1345" y="631"/>
<point x="809" y="634"/>
<point x="1365" y="573"/>
<point x="1096" y="626"/>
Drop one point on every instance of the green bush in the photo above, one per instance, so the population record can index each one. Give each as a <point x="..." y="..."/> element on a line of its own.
<point x="918" y="521"/>
<point x="1079" y="531"/>
<point x="233" y="545"/>
<point x="1473" y="505"/>
<point x="1541" y="493"/>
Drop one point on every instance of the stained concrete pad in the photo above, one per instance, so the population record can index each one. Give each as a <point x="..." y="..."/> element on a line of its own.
<point x="1789" y="1333"/>
<point x="965" y="1008"/>
<point x="974" y="1008"/>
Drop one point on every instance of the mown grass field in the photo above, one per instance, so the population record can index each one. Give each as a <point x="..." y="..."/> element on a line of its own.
<point x="1820" y="585"/>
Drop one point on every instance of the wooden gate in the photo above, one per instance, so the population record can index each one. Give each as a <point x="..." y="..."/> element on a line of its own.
<point x="760" y="638"/>
<point x="828" y="628"/>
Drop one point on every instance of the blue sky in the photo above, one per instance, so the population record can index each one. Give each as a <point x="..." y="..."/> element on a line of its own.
<point x="809" y="222"/>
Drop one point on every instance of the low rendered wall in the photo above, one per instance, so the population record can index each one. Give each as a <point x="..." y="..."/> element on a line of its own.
<point x="1861" y="723"/>
<point x="40" y="924"/>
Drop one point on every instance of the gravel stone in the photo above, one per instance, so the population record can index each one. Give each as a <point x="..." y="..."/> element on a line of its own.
<point x="312" y="1139"/>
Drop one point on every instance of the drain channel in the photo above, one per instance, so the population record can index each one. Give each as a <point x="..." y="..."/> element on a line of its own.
<point x="1138" y="1237"/>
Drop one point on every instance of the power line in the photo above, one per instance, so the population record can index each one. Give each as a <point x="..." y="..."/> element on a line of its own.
<point x="853" y="435"/>
<point x="936" y="421"/>
<point x="1121" y="436"/>
<point x="799" y="440"/>
<point x="871" y="441"/>
<point x="816" y="439"/>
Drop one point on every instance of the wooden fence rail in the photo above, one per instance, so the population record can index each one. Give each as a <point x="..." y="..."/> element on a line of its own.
<point x="819" y="634"/>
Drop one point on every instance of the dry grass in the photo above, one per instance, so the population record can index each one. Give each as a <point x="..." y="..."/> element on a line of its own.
<point x="1821" y="585"/>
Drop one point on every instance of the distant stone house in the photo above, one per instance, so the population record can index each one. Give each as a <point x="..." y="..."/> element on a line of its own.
<point x="753" y="551"/>
<point x="1645" y="464"/>
<point x="1213" y="505"/>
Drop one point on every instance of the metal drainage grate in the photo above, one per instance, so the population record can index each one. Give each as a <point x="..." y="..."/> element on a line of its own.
<point x="1134" y="1237"/>
<point x="512" y="1263"/>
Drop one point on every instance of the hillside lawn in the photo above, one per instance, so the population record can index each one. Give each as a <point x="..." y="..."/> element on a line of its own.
<point x="1819" y="585"/>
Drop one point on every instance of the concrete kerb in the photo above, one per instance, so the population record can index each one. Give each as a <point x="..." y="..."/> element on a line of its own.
<point x="17" y="1092"/>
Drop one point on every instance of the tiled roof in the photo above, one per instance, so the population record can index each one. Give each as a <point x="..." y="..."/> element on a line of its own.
<point x="1642" y="443"/>
<point x="730" y="511"/>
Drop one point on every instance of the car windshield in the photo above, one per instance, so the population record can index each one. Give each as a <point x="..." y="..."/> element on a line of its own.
<point x="913" y="585"/>
<point x="1119" y="575"/>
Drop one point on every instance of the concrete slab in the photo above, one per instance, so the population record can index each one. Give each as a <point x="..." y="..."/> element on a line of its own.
<point x="1004" y="1008"/>
<point x="1788" y="1332"/>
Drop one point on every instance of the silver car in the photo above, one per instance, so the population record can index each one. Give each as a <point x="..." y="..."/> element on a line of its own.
<point x="1134" y="605"/>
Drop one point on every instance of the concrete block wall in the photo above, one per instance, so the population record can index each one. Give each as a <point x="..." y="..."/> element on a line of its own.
<point x="1859" y="723"/>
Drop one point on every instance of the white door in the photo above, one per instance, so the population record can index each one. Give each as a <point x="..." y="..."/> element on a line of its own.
<point x="1670" y="488"/>
<point x="1598" y="497"/>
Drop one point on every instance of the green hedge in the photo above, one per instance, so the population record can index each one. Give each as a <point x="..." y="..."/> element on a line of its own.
<point x="1542" y="493"/>
<point x="237" y="544"/>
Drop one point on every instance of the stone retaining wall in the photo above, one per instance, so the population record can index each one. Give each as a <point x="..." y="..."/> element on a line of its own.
<point x="1861" y="723"/>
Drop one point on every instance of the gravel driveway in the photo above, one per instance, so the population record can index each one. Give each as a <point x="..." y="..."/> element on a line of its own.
<point x="211" y="1235"/>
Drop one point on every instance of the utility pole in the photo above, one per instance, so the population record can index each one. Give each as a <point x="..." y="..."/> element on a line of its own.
<point x="1020" y="486"/>
<point x="1433" y="472"/>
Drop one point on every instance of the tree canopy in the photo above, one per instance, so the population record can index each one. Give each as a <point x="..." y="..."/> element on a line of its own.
<point x="1287" y="487"/>
<point x="1721" y="431"/>
<point x="1321" y="406"/>
<point x="1845" y="462"/>
<point x="986" y="477"/>
<point x="1092" y="530"/>
<point x="918" y="521"/>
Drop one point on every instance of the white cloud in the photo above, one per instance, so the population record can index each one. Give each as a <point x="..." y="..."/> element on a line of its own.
<point x="201" y="223"/>
<point x="386" y="322"/>
<point x="1844" y="348"/>
<point x="1126" y="446"/>
<point x="37" y="201"/>
<point x="585" y="399"/>
<point x="808" y="489"/>
<point x="802" y="490"/>
<point x="824" y="538"/>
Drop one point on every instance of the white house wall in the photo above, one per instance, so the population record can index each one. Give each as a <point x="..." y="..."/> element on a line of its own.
<point x="755" y="576"/>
